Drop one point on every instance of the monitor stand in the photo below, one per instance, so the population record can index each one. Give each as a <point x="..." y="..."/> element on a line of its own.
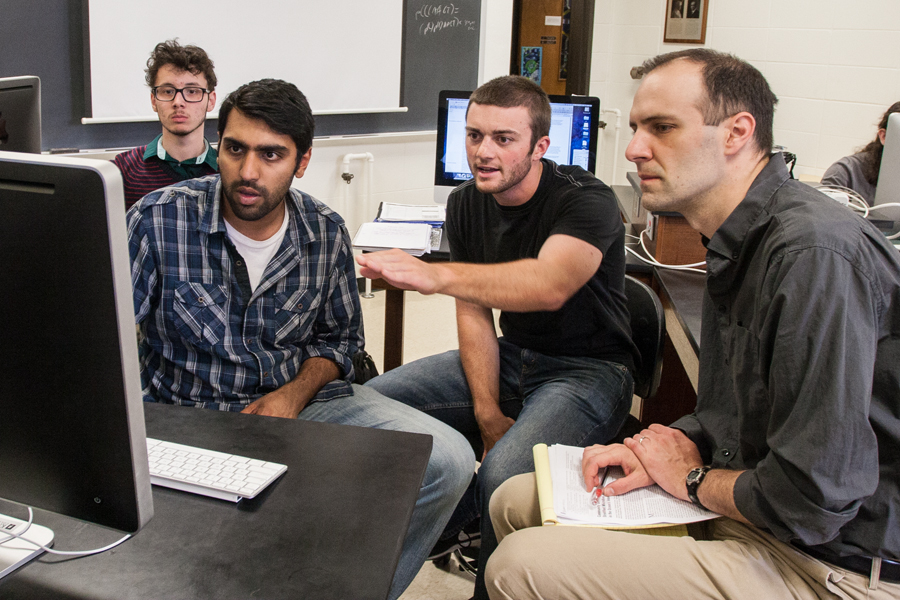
<point x="15" y="552"/>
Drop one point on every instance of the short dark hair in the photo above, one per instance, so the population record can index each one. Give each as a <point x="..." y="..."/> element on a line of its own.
<point x="874" y="149"/>
<point x="277" y="103"/>
<point x="732" y="86"/>
<point x="513" y="90"/>
<point x="184" y="58"/>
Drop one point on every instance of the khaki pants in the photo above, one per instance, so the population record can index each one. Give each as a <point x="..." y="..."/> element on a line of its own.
<point x="737" y="561"/>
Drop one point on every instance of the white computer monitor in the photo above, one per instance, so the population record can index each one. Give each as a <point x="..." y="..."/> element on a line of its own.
<point x="72" y="438"/>
<point x="20" y="114"/>
<point x="888" y="188"/>
<point x="573" y="137"/>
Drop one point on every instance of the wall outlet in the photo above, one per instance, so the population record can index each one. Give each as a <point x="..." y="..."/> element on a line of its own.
<point x="651" y="225"/>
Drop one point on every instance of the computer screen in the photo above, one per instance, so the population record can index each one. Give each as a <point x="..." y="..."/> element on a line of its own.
<point x="573" y="137"/>
<point x="888" y="188"/>
<point x="20" y="114"/>
<point x="72" y="438"/>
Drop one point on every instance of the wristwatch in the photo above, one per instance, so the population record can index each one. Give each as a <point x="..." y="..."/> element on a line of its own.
<point x="693" y="481"/>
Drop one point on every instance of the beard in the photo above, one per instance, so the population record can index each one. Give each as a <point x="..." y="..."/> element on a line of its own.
<point x="513" y="175"/>
<point x="268" y="200"/>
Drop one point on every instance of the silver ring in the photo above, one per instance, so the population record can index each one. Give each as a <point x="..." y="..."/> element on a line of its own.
<point x="641" y="441"/>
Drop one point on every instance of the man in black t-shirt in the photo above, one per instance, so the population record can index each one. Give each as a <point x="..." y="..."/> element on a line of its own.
<point x="544" y="244"/>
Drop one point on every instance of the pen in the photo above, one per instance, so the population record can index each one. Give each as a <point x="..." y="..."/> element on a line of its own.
<point x="598" y="490"/>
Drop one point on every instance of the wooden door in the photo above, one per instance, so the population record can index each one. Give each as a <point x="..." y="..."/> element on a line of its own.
<point x="540" y="43"/>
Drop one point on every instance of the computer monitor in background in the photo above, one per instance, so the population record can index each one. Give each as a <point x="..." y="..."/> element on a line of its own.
<point x="72" y="438"/>
<point x="573" y="137"/>
<point x="20" y="114"/>
<point x="888" y="188"/>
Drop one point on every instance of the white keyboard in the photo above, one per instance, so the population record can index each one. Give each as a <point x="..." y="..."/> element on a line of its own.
<point x="209" y="473"/>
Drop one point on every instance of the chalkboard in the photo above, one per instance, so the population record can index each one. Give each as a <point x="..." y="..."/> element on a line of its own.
<point x="47" y="39"/>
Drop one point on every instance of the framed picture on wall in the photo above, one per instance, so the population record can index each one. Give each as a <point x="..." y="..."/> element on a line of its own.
<point x="686" y="21"/>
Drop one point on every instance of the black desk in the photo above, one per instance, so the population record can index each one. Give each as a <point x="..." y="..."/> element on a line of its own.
<point x="331" y="527"/>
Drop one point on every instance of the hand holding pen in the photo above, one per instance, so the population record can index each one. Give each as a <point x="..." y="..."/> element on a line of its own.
<point x="593" y="467"/>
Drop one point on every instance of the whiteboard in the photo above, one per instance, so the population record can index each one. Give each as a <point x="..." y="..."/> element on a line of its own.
<point x="345" y="56"/>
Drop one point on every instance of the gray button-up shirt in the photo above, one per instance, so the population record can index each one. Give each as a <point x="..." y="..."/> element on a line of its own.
<point x="800" y="369"/>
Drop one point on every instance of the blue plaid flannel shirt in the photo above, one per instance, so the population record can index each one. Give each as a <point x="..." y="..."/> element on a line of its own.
<point x="205" y="345"/>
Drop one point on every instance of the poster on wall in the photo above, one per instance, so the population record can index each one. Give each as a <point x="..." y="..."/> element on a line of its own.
<point x="686" y="21"/>
<point x="531" y="63"/>
<point x="564" y="47"/>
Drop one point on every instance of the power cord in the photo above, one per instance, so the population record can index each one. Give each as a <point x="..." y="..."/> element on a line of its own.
<point x="858" y="204"/>
<point x="651" y="261"/>
<point x="20" y="536"/>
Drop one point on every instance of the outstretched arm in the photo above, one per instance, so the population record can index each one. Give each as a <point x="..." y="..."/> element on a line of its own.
<point x="563" y="266"/>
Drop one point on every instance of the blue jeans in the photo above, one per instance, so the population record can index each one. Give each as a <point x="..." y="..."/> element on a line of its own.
<point x="449" y="468"/>
<point x="554" y="399"/>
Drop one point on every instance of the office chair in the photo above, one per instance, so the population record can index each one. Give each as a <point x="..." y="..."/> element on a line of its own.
<point x="648" y="327"/>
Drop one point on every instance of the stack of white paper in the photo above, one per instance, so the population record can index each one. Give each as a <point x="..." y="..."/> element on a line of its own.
<point x="644" y="506"/>
<point x="414" y="238"/>
<point x="424" y="213"/>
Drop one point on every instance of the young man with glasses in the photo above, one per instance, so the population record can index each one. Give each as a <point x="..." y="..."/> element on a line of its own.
<point x="182" y="90"/>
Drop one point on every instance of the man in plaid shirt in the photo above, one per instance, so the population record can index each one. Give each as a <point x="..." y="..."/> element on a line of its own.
<point x="245" y="293"/>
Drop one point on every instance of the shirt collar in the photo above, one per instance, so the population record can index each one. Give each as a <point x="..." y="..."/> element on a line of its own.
<point x="731" y="235"/>
<point x="208" y="156"/>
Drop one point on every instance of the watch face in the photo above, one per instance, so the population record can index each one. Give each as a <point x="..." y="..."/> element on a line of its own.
<point x="696" y="475"/>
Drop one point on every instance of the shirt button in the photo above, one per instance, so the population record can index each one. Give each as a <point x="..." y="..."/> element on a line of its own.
<point x="200" y="300"/>
<point x="726" y="452"/>
<point x="735" y="256"/>
<point x="266" y="374"/>
<point x="299" y="306"/>
<point x="239" y="263"/>
<point x="722" y="308"/>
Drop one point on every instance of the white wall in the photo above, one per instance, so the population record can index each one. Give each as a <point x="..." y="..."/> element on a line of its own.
<point x="835" y="67"/>
<point x="403" y="172"/>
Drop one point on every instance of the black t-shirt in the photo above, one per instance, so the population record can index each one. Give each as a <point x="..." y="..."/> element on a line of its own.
<point x="569" y="201"/>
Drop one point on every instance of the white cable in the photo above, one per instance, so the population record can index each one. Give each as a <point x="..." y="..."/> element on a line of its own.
<point x="651" y="261"/>
<point x="20" y="536"/>
<point x="857" y="202"/>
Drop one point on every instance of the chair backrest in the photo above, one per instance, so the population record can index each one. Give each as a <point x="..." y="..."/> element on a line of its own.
<point x="648" y="326"/>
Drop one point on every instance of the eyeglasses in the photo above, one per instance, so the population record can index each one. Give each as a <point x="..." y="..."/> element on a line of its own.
<point x="190" y="94"/>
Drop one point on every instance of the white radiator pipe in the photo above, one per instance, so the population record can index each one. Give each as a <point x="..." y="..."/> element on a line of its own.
<point x="347" y="176"/>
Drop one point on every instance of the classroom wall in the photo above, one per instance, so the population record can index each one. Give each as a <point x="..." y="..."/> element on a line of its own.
<point x="403" y="169"/>
<point x="835" y="67"/>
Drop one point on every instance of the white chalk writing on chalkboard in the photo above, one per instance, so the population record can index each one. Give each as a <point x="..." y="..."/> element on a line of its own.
<point x="440" y="17"/>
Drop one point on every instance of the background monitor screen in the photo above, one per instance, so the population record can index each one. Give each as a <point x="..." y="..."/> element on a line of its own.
<point x="888" y="188"/>
<point x="573" y="136"/>
<point x="72" y="437"/>
<point x="20" y="114"/>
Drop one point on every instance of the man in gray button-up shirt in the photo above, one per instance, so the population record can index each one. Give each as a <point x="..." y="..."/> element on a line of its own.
<point x="796" y="435"/>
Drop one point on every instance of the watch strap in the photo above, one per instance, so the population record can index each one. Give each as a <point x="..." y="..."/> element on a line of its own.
<point x="693" y="481"/>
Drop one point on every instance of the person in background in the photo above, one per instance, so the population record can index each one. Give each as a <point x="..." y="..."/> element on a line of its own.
<point x="182" y="84"/>
<point x="859" y="172"/>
